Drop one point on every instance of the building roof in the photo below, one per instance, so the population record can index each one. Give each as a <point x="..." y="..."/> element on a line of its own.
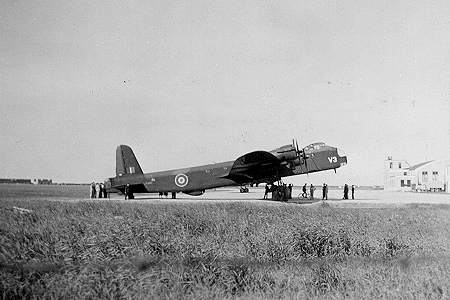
<point x="412" y="168"/>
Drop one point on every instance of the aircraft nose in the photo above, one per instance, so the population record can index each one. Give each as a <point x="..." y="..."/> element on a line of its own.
<point x="342" y="157"/>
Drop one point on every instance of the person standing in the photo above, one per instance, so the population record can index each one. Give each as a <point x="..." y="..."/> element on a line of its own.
<point x="325" y="192"/>
<point x="311" y="191"/>
<point x="105" y="193"/>
<point x="346" y="191"/>
<point x="304" y="195"/>
<point x="92" y="190"/>
<point x="103" y="190"/>
<point x="127" y="191"/>
<point x="266" y="191"/>
<point x="97" y="190"/>
<point x="353" y="192"/>
<point x="100" y="190"/>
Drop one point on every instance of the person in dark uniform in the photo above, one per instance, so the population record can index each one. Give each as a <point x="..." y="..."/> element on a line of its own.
<point x="266" y="191"/>
<point x="92" y="190"/>
<point x="304" y="191"/>
<point x="127" y="191"/>
<point x="311" y="191"/>
<point x="100" y="190"/>
<point x="105" y="194"/>
<point x="325" y="192"/>
<point x="353" y="192"/>
<point x="346" y="191"/>
<point x="290" y="191"/>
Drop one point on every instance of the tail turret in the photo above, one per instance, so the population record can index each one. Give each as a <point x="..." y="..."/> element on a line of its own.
<point x="126" y="162"/>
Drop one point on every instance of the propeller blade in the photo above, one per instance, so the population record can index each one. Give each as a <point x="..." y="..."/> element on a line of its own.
<point x="304" y="159"/>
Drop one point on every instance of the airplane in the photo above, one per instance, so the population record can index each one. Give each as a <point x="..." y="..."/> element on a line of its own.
<point x="252" y="168"/>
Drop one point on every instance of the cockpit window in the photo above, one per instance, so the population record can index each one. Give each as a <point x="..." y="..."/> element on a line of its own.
<point x="315" y="146"/>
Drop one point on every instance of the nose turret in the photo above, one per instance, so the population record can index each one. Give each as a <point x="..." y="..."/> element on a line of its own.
<point x="342" y="157"/>
<point x="343" y="160"/>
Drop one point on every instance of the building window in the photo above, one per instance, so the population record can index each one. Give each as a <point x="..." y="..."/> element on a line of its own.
<point x="402" y="183"/>
<point x="405" y="173"/>
<point x="408" y="182"/>
<point x="390" y="165"/>
<point x="399" y="165"/>
<point x="424" y="176"/>
<point x="435" y="176"/>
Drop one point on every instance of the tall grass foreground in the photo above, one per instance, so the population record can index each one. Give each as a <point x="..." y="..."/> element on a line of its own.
<point x="221" y="250"/>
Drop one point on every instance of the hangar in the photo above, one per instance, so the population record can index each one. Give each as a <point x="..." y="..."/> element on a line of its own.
<point x="432" y="176"/>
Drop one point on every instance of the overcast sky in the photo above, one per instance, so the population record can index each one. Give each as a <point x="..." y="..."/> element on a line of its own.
<point x="194" y="82"/>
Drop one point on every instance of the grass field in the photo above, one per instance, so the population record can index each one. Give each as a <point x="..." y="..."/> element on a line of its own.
<point x="115" y="249"/>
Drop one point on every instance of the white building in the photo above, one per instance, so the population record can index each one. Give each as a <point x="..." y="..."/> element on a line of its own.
<point x="427" y="176"/>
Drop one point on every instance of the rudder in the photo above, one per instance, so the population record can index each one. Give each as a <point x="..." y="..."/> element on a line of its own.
<point x="126" y="162"/>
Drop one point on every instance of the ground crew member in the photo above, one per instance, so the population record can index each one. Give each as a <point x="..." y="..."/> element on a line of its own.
<point x="353" y="192"/>
<point x="325" y="192"/>
<point x="92" y="190"/>
<point x="100" y="190"/>
<point x="97" y="190"/>
<point x="290" y="191"/>
<point x="266" y="191"/>
<point x="346" y="191"/>
<point x="105" y="194"/>
<point x="311" y="191"/>
<point x="304" y="191"/>
<point x="127" y="191"/>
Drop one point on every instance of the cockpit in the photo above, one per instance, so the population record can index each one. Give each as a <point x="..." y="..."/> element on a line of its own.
<point x="315" y="146"/>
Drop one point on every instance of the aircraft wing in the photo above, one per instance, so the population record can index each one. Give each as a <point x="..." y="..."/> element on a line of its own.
<point x="254" y="166"/>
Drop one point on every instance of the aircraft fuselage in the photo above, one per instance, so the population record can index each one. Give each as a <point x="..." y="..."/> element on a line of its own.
<point x="254" y="167"/>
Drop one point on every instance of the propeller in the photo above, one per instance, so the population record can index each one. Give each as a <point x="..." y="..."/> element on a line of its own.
<point x="300" y="153"/>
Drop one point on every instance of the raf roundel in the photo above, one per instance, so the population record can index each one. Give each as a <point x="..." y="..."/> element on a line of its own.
<point x="181" y="180"/>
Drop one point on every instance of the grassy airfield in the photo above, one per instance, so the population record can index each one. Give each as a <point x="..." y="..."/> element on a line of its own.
<point x="218" y="249"/>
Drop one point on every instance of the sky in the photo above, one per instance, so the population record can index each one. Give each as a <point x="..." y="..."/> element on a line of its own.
<point x="187" y="83"/>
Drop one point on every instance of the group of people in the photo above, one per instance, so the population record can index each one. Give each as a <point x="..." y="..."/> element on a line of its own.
<point x="325" y="191"/>
<point x="98" y="190"/>
<point x="282" y="191"/>
<point x="346" y="191"/>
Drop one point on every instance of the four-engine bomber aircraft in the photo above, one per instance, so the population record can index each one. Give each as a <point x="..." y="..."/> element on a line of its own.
<point x="251" y="168"/>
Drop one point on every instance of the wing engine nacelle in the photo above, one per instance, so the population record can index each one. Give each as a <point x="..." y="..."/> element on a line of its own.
<point x="195" y="193"/>
<point x="291" y="155"/>
<point x="285" y="153"/>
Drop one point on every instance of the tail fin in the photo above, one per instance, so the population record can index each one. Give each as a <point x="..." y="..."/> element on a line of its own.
<point x="126" y="162"/>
